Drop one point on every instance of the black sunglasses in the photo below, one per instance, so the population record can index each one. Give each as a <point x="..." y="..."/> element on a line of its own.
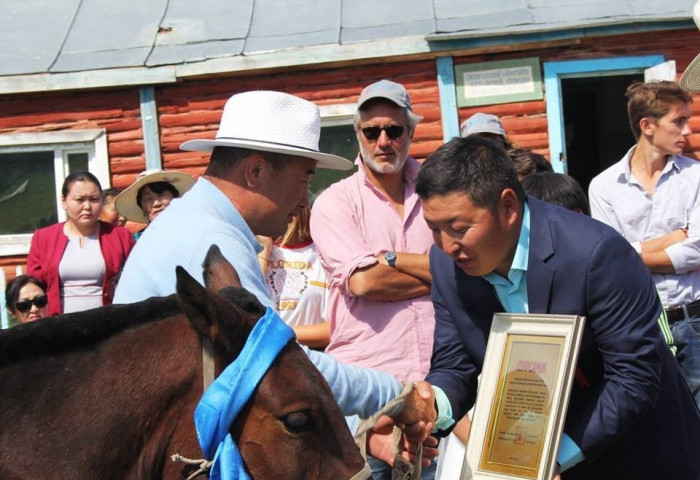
<point x="24" y="306"/>
<point x="394" y="132"/>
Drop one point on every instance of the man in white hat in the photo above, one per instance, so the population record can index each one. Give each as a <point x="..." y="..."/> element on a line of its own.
<point x="373" y="242"/>
<point x="263" y="158"/>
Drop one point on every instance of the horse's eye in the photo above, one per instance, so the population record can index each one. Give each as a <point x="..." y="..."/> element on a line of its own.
<point x="298" y="421"/>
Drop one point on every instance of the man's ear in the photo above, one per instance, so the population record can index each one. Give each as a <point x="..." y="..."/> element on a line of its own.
<point x="254" y="166"/>
<point x="509" y="205"/>
<point x="645" y="125"/>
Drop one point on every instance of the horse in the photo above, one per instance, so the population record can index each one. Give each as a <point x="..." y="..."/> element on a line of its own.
<point x="110" y="393"/>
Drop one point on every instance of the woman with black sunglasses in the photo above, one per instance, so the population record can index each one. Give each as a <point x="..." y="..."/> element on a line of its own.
<point x="26" y="299"/>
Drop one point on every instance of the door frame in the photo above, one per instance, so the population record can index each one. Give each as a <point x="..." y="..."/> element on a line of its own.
<point x="554" y="72"/>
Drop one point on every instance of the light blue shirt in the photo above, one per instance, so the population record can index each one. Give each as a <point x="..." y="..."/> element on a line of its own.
<point x="512" y="293"/>
<point x="182" y="235"/>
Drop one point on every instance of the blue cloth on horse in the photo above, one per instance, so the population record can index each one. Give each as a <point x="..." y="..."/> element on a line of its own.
<point x="229" y="393"/>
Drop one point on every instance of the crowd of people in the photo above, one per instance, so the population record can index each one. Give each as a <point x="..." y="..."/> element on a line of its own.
<point x="394" y="273"/>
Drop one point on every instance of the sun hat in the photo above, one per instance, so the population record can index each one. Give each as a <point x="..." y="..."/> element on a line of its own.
<point x="482" y="123"/>
<point x="125" y="202"/>
<point x="691" y="77"/>
<point x="271" y="122"/>
<point x="387" y="89"/>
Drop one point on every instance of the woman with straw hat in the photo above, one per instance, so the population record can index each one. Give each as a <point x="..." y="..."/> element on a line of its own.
<point x="150" y="194"/>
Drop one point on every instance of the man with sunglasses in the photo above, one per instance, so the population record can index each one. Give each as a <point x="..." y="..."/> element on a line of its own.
<point x="373" y="242"/>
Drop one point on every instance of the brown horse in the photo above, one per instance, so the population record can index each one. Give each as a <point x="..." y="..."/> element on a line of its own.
<point x="110" y="393"/>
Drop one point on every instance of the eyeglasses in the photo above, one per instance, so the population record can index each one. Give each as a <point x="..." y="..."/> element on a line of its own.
<point x="394" y="132"/>
<point x="23" y="306"/>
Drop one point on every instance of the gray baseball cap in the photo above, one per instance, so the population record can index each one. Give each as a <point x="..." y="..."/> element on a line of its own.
<point x="483" y="123"/>
<point x="387" y="89"/>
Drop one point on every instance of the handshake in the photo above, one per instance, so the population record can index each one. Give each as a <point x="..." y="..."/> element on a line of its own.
<point x="416" y="420"/>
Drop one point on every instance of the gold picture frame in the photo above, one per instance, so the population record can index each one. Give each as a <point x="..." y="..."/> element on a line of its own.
<point x="523" y="395"/>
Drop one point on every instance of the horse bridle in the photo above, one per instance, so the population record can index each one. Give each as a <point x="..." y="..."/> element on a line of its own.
<point x="208" y="376"/>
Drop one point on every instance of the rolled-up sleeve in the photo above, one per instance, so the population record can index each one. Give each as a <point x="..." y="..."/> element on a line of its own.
<point x="685" y="256"/>
<point x="337" y="232"/>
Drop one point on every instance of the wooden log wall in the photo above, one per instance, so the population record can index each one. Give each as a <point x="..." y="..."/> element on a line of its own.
<point x="192" y="109"/>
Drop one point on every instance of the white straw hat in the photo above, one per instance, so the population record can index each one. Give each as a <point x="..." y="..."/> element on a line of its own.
<point x="691" y="77"/>
<point x="126" y="203"/>
<point x="272" y="122"/>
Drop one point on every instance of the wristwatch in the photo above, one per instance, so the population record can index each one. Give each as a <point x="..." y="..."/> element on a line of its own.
<point x="390" y="258"/>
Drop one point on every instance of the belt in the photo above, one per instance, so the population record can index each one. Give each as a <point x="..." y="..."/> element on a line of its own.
<point x="688" y="310"/>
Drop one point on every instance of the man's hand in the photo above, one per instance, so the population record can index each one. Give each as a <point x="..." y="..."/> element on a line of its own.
<point x="380" y="440"/>
<point x="418" y="416"/>
<point x="407" y="449"/>
<point x="380" y="444"/>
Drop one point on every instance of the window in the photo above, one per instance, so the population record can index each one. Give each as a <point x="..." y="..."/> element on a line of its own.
<point x="338" y="138"/>
<point x="34" y="166"/>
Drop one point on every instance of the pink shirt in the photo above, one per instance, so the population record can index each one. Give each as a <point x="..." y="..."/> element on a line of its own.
<point x="352" y="222"/>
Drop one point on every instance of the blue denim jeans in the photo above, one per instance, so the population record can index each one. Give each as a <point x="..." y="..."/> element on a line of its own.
<point x="382" y="470"/>
<point x="686" y="335"/>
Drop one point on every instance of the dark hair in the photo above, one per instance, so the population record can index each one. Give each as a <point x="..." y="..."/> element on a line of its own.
<point x="15" y="286"/>
<point x="474" y="165"/>
<point x="157" y="188"/>
<point x="224" y="159"/>
<point x="110" y="192"/>
<point x="79" y="176"/>
<point x="653" y="99"/>
<point x="558" y="189"/>
<point x="527" y="162"/>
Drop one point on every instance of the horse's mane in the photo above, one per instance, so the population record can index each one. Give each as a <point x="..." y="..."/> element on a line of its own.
<point x="61" y="333"/>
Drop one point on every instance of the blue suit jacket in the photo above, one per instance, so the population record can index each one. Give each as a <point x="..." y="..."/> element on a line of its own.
<point x="630" y="412"/>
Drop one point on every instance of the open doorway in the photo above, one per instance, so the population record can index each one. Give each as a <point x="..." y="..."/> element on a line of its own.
<point x="597" y="132"/>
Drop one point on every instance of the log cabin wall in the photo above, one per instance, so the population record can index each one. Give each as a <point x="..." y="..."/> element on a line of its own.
<point x="192" y="108"/>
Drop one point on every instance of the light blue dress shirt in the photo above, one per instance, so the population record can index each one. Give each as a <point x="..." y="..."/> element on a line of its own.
<point x="182" y="235"/>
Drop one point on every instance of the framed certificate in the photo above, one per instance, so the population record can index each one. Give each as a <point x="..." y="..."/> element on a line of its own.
<point x="523" y="395"/>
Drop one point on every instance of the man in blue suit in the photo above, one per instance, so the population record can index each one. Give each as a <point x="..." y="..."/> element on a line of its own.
<point x="630" y="414"/>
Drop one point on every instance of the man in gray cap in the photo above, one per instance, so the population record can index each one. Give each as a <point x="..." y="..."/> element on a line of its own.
<point x="488" y="126"/>
<point x="373" y="242"/>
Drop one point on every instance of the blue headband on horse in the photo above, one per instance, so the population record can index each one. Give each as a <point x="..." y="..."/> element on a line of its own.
<point x="229" y="393"/>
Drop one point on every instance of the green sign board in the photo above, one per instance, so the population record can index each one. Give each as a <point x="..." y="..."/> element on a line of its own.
<point x="489" y="83"/>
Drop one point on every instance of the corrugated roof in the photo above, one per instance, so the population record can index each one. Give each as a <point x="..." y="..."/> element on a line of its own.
<point x="59" y="36"/>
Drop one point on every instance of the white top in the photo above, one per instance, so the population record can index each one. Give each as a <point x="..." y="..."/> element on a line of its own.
<point x="619" y="200"/>
<point x="297" y="284"/>
<point x="82" y="272"/>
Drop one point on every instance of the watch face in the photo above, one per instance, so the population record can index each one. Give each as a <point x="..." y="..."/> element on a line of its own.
<point x="390" y="258"/>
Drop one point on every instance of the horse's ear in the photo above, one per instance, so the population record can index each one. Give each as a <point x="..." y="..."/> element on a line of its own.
<point x="218" y="272"/>
<point x="196" y="302"/>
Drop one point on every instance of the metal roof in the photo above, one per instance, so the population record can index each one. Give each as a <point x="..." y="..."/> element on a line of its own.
<point x="62" y="36"/>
